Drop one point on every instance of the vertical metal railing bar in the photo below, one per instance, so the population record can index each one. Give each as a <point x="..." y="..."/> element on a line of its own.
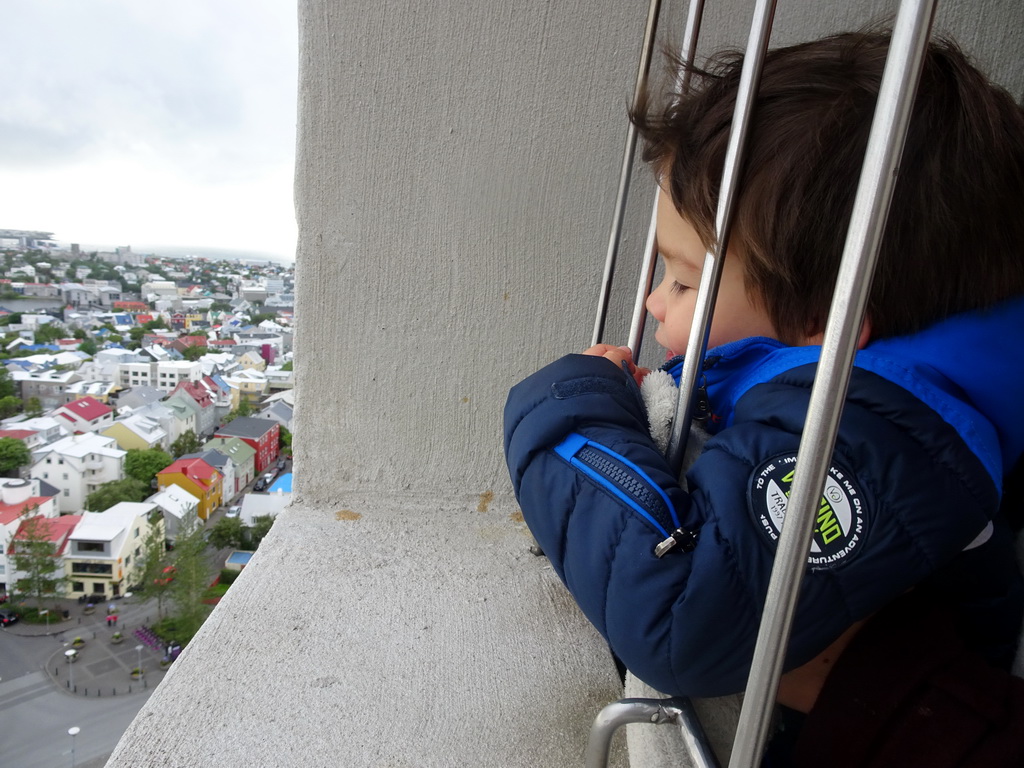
<point x="615" y="236"/>
<point x="750" y="76"/>
<point x="853" y="284"/>
<point x="688" y="53"/>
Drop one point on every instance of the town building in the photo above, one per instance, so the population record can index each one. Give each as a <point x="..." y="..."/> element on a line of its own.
<point x="77" y="465"/>
<point x="105" y="548"/>
<point x="86" y="414"/>
<point x="198" y="478"/>
<point x="262" y="435"/>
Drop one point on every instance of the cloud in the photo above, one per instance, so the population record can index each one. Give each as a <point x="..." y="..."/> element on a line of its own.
<point x="194" y="96"/>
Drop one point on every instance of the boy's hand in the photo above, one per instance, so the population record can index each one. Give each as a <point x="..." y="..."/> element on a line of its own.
<point x="619" y="355"/>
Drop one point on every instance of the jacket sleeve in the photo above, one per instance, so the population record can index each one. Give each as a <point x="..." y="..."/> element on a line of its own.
<point x="599" y="497"/>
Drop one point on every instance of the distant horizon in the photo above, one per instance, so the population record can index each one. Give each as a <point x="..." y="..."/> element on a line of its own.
<point x="179" y="251"/>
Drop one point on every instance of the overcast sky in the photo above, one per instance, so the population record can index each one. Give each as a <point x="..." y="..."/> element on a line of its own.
<point x="138" y="122"/>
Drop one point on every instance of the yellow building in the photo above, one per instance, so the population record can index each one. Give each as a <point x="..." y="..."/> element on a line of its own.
<point x="198" y="478"/>
<point x="140" y="432"/>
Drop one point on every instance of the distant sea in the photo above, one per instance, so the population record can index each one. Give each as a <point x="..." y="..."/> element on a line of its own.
<point x="180" y="251"/>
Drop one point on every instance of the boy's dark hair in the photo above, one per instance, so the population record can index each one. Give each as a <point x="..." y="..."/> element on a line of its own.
<point x="954" y="240"/>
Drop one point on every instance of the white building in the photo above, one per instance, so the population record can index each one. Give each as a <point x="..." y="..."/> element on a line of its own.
<point x="177" y="506"/>
<point x="164" y="375"/>
<point x="19" y="498"/>
<point x="106" y="546"/>
<point x="77" y="465"/>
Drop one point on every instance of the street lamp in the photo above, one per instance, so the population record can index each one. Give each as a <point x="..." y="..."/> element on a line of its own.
<point x="71" y="653"/>
<point x="72" y="732"/>
<point x="46" y="613"/>
<point x="138" y="650"/>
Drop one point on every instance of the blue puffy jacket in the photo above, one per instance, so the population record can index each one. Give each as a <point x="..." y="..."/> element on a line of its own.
<point x="932" y="422"/>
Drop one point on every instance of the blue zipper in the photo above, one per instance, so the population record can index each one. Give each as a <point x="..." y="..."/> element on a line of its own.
<point x="631" y="485"/>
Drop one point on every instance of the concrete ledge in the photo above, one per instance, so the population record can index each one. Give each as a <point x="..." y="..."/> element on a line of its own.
<point x="400" y="631"/>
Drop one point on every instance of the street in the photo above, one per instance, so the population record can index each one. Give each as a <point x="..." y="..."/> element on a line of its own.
<point x="36" y="716"/>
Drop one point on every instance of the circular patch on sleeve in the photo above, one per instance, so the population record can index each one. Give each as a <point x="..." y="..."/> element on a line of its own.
<point x="839" y="526"/>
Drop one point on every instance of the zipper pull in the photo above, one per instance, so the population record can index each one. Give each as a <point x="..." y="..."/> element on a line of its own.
<point x="702" y="408"/>
<point x="680" y="537"/>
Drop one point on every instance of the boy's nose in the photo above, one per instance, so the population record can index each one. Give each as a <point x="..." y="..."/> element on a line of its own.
<point x="654" y="303"/>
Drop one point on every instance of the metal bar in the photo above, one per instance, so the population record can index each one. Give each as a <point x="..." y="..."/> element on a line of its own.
<point x="627" y="168"/>
<point x="853" y="285"/>
<point x="750" y="76"/>
<point x="676" y="711"/>
<point x="688" y="51"/>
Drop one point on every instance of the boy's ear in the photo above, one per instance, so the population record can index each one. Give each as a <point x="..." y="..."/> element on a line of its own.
<point x="815" y="339"/>
<point x="865" y="332"/>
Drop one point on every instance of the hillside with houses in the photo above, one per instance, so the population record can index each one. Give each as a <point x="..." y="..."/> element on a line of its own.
<point x="114" y="361"/>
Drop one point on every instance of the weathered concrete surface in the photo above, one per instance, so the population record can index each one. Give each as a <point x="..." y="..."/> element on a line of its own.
<point x="379" y="633"/>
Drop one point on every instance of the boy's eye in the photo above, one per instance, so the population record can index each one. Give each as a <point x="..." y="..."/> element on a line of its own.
<point x="678" y="287"/>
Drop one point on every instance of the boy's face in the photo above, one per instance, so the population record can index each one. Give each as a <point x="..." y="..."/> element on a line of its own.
<point x="736" y="315"/>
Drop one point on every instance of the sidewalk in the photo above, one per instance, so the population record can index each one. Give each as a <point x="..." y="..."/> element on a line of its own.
<point x="101" y="668"/>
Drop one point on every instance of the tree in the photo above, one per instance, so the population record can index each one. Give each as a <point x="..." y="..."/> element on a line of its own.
<point x="33" y="407"/>
<point x="193" y="353"/>
<point x="155" y="323"/>
<point x="136" y="333"/>
<point x="88" y="347"/>
<point x="109" y="494"/>
<point x="9" y="406"/>
<point x="287" y="366"/>
<point x="35" y="557"/>
<point x="148" y="573"/>
<point x="191" y="576"/>
<point x="49" y="332"/>
<point x="257" y="319"/>
<point x="260" y="528"/>
<point x="228" y="532"/>
<point x="187" y="442"/>
<point x="143" y="465"/>
<point x="80" y="334"/>
<point x="13" y="455"/>
<point x="284" y="440"/>
<point x="243" y="409"/>
<point x="7" y="387"/>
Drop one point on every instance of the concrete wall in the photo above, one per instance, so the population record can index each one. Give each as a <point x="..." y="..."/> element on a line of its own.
<point x="456" y="174"/>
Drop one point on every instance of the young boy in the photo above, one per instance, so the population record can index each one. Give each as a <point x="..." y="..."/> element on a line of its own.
<point x="934" y="418"/>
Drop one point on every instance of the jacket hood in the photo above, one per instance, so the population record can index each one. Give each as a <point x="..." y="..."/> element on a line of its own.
<point x="968" y="368"/>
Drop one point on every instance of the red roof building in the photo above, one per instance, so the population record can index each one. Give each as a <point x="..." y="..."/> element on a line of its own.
<point x="56" y="529"/>
<point x="198" y="478"/>
<point x="17" y="434"/>
<point x="132" y="306"/>
<point x="86" y="414"/>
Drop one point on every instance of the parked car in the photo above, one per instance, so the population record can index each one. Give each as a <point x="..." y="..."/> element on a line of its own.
<point x="168" y="576"/>
<point x="7" y="616"/>
<point x="233" y="511"/>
